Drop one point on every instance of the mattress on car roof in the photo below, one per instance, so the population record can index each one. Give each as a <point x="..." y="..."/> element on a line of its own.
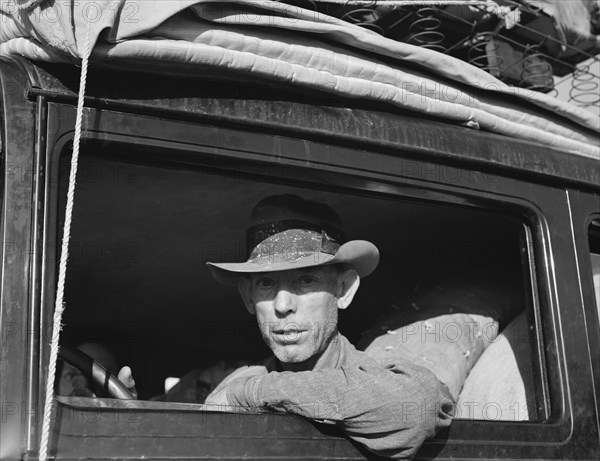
<point x="300" y="47"/>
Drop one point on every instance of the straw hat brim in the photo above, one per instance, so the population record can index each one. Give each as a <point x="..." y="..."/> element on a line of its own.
<point x="360" y="255"/>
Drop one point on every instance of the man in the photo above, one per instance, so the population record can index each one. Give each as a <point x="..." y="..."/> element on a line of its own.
<point x="299" y="274"/>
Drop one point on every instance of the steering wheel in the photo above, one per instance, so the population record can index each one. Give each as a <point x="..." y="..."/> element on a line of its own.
<point x="100" y="377"/>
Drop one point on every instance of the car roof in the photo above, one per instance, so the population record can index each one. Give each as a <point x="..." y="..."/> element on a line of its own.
<point x="267" y="107"/>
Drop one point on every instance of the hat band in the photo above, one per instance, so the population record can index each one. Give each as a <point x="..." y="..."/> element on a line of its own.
<point x="331" y="237"/>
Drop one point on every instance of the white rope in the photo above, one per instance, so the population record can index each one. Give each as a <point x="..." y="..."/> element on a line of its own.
<point x="64" y="255"/>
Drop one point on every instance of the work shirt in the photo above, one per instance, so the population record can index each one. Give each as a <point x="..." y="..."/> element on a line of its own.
<point x="389" y="406"/>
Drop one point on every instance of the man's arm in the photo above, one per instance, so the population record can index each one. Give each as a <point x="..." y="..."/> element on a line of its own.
<point x="390" y="409"/>
<point x="218" y="397"/>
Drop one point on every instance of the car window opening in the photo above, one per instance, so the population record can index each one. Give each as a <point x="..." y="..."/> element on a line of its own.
<point x="139" y="293"/>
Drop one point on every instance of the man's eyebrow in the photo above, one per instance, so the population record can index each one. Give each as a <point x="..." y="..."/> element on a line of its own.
<point x="261" y="275"/>
<point x="312" y="270"/>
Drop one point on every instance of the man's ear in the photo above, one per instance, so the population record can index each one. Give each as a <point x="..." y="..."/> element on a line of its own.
<point x="244" y="286"/>
<point x="348" y="283"/>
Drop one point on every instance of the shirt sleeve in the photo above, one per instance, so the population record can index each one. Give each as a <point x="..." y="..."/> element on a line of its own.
<point x="241" y="373"/>
<point x="390" y="408"/>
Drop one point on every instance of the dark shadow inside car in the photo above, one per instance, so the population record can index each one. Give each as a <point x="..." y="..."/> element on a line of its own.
<point x="143" y="232"/>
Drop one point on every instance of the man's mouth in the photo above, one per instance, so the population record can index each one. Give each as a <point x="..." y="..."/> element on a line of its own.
<point x="287" y="331"/>
<point x="288" y="334"/>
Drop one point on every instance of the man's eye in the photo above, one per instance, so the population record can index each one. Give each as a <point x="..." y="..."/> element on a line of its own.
<point x="264" y="283"/>
<point x="307" y="281"/>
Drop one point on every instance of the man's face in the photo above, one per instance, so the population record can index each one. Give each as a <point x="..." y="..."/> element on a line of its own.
<point x="296" y="310"/>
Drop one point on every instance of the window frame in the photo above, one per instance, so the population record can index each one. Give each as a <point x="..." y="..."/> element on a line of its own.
<point x="585" y="208"/>
<point x="349" y="164"/>
<point x="594" y="217"/>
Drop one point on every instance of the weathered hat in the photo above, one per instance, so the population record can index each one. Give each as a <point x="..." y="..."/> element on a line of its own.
<point x="289" y="232"/>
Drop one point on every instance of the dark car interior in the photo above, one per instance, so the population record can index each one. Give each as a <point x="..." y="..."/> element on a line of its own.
<point x="142" y="232"/>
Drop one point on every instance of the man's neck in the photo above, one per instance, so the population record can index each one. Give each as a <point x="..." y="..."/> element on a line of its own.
<point x="329" y="358"/>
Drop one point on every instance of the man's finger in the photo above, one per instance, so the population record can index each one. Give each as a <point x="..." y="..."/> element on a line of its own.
<point x="126" y="377"/>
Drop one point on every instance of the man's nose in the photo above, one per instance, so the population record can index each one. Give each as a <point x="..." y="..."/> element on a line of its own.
<point x="285" y="302"/>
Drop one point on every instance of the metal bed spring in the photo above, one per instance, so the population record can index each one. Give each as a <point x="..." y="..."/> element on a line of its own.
<point x="422" y="23"/>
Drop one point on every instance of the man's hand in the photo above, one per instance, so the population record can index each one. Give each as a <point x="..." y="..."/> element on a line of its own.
<point x="126" y="377"/>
